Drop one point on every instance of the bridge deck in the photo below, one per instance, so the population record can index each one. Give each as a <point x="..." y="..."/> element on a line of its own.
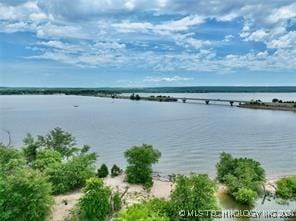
<point x="210" y="99"/>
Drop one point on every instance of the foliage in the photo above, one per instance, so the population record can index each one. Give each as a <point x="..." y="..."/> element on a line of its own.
<point x="30" y="148"/>
<point x="71" y="174"/>
<point x="103" y="171"/>
<point x="59" y="140"/>
<point x="115" y="171"/>
<point x="10" y="159"/>
<point x="94" y="205"/>
<point x="286" y="188"/>
<point x="243" y="176"/>
<point x="24" y="195"/>
<point x="193" y="193"/>
<point x="116" y="202"/>
<point x="141" y="212"/>
<point x="245" y="196"/>
<point x="135" y="97"/>
<point x="140" y="160"/>
<point x="47" y="158"/>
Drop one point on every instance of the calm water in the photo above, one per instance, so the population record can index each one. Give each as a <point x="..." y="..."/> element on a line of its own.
<point x="190" y="136"/>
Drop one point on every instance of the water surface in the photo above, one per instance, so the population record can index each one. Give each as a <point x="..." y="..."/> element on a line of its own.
<point x="190" y="136"/>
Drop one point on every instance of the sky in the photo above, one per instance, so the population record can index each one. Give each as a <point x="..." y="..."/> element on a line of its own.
<point x="140" y="43"/>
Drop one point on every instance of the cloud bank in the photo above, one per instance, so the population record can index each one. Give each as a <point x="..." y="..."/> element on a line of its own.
<point x="158" y="35"/>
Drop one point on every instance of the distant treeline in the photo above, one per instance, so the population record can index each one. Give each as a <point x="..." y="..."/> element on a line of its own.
<point x="95" y="91"/>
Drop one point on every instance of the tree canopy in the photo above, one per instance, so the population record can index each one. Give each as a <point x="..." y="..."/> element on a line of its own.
<point x="286" y="188"/>
<point x="193" y="193"/>
<point x="140" y="160"/>
<point x="95" y="204"/>
<point x="244" y="177"/>
<point x="25" y="194"/>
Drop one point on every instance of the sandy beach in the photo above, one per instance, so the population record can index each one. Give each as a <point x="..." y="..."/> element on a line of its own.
<point x="161" y="188"/>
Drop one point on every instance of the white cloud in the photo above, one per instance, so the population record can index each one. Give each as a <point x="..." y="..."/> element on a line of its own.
<point x="156" y="34"/>
<point x="166" y="79"/>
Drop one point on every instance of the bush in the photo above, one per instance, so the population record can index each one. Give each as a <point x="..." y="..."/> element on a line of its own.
<point x="30" y="148"/>
<point x="246" y="196"/>
<point x="116" y="202"/>
<point x="94" y="205"/>
<point x="115" y="171"/>
<point x="72" y="174"/>
<point x="241" y="175"/>
<point x="140" y="160"/>
<point x="47" y="158"/>
<point x="103" y="171"/>
<point x="286" y="188"/>
<point x="24" y="195"/>
<point x="191" y="194"/>
<point x="140" y="212"/>
<point x="10" y="159"/>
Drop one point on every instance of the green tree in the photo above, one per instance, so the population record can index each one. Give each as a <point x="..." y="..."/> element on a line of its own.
<point x="10" y="159"/>
<point x="286" y="188"/>
<point x="30" y="148"/>
<point x="245" y="196"/>
<point x="192" y="194"/>
<point x="59" y="140"/>
<point x="24" y="195"/>
<point x="116" y="202"/>
<point x="115" y="171"/>
<point x="140" y="160"/>
<point x="47" y="158"/>
<point x="95" y="205"/>
<point x="141" y="212"/>
<point x="225" y="165"/>
<point x="103" y="171"/>
<point x="72" y="174"/>
<point x="243" y="176"/>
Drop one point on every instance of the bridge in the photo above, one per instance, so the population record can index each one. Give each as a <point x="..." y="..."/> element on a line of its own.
<point x="208" y="100"/>
<point x="185" y="99"/>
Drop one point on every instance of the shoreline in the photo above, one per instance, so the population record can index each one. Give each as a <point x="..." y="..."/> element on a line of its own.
<point x="134" y="193"/>
<point x="268" y="107"/>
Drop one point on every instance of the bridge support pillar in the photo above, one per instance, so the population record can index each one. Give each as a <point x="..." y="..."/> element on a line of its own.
<point x="207" y="101"/>
<point x="231" y="103"/>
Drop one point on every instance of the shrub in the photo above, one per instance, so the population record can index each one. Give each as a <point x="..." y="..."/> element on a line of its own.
<point x="103" y="171"/>
<point x="115" y="171"/>
<point x="116" y="202"/>
<point x="72" y="174"/>
<point x="47" y="158"/>
<point x="286" y="188"/>
<point x="30" y="148"/>
<point x="140" y="212"/>
<point x="140" y="160"/>
<point x="246" y="196"/>
<point x="94" y="205"/>
<point x="241" y="175"/>
<point x="191" y="194"/>
<point x="10" y="159"/>
<point x="24" y="195"/>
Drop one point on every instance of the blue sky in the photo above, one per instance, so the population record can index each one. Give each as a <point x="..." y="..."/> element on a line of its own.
<point x="138" y="43"/>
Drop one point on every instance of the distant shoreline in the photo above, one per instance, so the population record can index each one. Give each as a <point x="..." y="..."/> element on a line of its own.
<point x="120" y="90"/>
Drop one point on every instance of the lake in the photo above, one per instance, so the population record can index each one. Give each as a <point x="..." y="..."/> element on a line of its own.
<point x="190" y="136"/>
